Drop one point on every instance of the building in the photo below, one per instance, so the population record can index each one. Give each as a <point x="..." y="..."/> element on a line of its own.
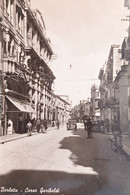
<point x="95" y="97"/>
<point x="107" y="75"/>
<point x="26" y="76"/>
<point x="120" y="98"/>
<point x="113" y="88"/>
<point x="82" y="110"/>
<point x="62" y="110"/>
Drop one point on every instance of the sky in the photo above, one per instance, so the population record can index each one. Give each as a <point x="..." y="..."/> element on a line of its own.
<point x="81" y="34"/>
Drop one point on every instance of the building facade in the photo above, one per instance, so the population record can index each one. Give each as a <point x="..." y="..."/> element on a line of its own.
<point x="82" y="111"/>
<point x="26" y="77"/>
<point x="113" y="88"/>
<point x="62" y="110"/>
<point x="95" y="96"/>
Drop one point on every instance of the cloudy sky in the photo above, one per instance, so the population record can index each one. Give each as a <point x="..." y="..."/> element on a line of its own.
<point x="81" y="33"/>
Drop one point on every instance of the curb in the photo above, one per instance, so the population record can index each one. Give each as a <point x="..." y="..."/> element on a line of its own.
<point x="20" y="137"/>
<point x="14" y="138"/>
<point x="126" y="153"/>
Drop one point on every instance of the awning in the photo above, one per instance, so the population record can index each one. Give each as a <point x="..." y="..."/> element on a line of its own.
<point x="22" y="105"/>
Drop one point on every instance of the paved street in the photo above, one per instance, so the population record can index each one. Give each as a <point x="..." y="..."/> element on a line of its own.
<point x="65" y="163"/>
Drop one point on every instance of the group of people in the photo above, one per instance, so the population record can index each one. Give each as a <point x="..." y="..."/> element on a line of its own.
<point x="88" y="127"/>
<point x="103" y="126"/>
<point x="40" y="124"/>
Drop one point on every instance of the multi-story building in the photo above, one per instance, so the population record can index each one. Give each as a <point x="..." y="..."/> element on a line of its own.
<point x="75" y="113"/>
<point x="113" y="77"/>
<point x="26" y="77"/>
<point x="38" y="54"/>
<point x="82" y="111"/>
<point x="107" y="75"/>
<point x="120" y="98"/>
<point x="62" y="110"/>
<point x="95" y="96"/>
<point x="15" y="84"/>
<point x="27" y="80"/>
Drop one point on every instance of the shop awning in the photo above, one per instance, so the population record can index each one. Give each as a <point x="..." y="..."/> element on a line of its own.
<point x="22" y="105"/>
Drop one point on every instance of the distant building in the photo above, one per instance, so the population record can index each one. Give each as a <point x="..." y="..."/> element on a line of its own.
<point x="95" y="97"/>
<point x="62" y="110"/>
<point x="82" y="110"/>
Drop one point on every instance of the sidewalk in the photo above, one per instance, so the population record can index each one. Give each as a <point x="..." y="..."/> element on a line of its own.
<point x="15" y="136"/>
<point x="125" y="143"/>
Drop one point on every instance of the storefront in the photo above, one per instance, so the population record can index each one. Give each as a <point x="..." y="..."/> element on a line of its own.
<point x="17" y="113"/>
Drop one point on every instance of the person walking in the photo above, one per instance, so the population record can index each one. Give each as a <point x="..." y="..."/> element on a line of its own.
<point x="33" y="121"/>
<point x="29" y="128"/>
<point x="75" y="126"/>
<point x="58" y="124"/>
<point x="38" y="125"/>
<point x="98" y="125"/>
<point x="89" y="128"/>
<point x="107" y="123"/>
<point x="45" y="125"/>
<point x="85" y="126"/>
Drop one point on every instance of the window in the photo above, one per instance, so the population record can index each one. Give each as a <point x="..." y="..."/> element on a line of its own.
<point x="19" y="20"/>
<point x="12" y="12"/>
<point x="7" y="8"/>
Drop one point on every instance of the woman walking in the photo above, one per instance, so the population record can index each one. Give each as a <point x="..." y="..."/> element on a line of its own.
<point x="29" y="128"/>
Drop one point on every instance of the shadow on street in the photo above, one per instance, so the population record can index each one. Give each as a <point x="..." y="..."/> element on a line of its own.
<point x="66" y="184"/>
<point x="85" y="154"/>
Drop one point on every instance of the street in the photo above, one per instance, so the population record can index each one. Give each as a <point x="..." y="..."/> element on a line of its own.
<point x="65" y="163"/>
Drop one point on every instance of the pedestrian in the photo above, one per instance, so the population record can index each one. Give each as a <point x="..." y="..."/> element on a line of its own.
<point x="58" y="124"/>
<point x="107" y="123"/>
<point x="29" y="128"/>
<point x="98" y="125"/>
<point x="45" y="125"/>
<point x="38" y="125"/>
<point x="75" y="126"/>
<point x="89" y="128"/>
<point x="33" y="123"/>
<point x="116" y="131"/>
<point x="85" y="126"/>
<point x="27" y="120"/>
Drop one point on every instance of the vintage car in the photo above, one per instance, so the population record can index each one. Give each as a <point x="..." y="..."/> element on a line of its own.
<point x="71" y="125"/>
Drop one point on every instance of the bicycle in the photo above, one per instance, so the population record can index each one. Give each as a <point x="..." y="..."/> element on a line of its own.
<point x="116" y="142"/>
<point x="103" y="129"/>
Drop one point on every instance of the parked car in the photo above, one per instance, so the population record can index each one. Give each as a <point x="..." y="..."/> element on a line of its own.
<point x="71" y="125"/>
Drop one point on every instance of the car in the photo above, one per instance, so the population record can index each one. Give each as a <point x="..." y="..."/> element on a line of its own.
<point x="71" y="125"/>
